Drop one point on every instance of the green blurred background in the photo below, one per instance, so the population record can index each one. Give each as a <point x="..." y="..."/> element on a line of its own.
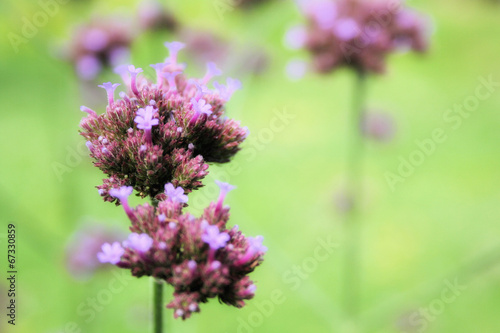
<point x="438" y="226"/>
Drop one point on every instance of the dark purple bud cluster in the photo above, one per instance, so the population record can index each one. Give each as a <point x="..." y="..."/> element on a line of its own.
<point x="198" y="256"/>
<point x="358" y="33"/>
<point x="164" y="131"/>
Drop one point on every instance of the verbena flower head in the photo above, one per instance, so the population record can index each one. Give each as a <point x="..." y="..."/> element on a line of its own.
<point x="357" y="33"/>
<point x="199" y="256"/>
<point x="165" y="131"/>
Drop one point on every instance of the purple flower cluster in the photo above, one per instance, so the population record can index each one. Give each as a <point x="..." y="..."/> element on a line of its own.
<point x="102" y="43"/>
<point x="164" y="131"/>
<point x="198" y="256"/>
<point x="357" y="33"/>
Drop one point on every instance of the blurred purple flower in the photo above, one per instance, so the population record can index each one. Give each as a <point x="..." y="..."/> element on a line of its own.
<point x="353" y="33"/>
<point x="378" y="126"/>
<point x="88" y="67"/>
<point x="83" y="246"/>
<point x="295" y="38"/>
<point x="95" y="39"/>
<point x="102" y="43"/>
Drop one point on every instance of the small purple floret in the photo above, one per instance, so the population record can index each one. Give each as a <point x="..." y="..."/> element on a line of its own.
<point x="144" y="118"/>
<point x="175" y="194"/>
<point x="174" y="48"/>
<point x="121" y="193"/>
<point x="111" y="253"/>
<point x="133" y="78"/>
<point x="170" y="77"/>
<point x="159" y="71"/>
<point x="227" y="91"/>
<point x="139" y="242"/>
<point x="110" y="89"/>
<point x="252" y="288"/>
<point x="225" y="187"/>
<point x="214" y="238"/>
<point x="201" y="107"/>
<point x="255" y="245"/>
<point x="88" y="111"/>
<point x="212" y="71"/>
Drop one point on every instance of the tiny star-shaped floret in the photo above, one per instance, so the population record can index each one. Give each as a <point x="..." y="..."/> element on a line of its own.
<point x="175" y="194"/>
<point x="144" y="118"/>
<point x="111" y="253"/>
<point x="139" y="242"/>
<point x="214" y="238"/>
<point x="110" y="90"/>
<point x="121" y="193"/>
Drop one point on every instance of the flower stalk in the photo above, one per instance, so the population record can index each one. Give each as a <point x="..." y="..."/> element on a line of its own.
<point x="157" y="306"/>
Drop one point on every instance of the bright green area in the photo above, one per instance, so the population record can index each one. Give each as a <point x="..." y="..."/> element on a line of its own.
<point x="443" y="216"/>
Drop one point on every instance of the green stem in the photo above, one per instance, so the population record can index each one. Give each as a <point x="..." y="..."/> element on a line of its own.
<point x="157" y="307"/>
<point x="351" y="278"/>
<point x="157" y="297"/>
